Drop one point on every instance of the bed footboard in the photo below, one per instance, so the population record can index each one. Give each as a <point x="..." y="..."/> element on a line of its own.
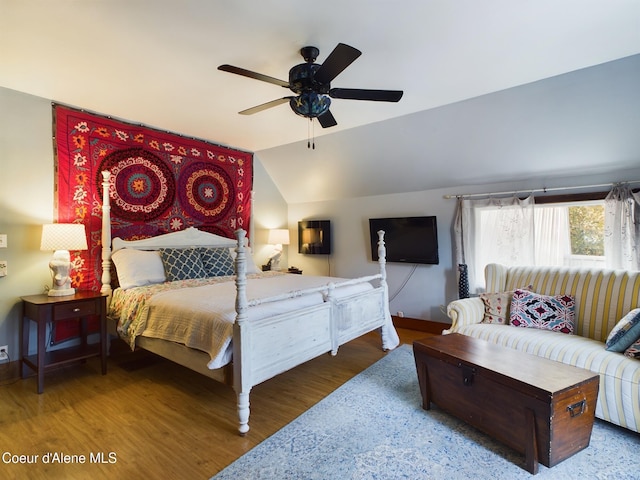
<point x="265" y="348"/>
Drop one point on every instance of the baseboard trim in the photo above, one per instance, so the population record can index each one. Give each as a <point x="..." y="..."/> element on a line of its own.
<point x="419" y="325"/>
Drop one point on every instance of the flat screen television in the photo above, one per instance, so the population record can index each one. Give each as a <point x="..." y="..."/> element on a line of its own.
<point x="314" y="237"/>
<point x="407" y="239"/>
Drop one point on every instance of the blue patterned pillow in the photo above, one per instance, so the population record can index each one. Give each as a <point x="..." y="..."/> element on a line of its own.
<point x="545" y="312"/>
<point x="182" y="263"/>
<point x="217" y="261"/>
<point x="625" y="333"/>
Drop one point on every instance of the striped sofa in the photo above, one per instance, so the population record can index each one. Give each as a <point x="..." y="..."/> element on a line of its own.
<point x="602" y="298"/>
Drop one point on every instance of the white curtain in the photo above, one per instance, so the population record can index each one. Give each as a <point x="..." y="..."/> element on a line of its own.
<point x="494" y="231"/>
<point x="622" y="228"/>
<point x="552" y="236"/>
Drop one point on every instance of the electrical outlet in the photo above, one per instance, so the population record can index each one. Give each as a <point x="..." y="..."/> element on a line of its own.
<point x="4" y="352"/>
<point x="3" y="268"/>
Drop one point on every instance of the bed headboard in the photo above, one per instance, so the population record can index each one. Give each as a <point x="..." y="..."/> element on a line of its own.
<point x="189" y="237"/>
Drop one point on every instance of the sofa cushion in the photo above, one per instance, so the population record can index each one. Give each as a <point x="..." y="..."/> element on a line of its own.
<point x="496" y="307"/>
<point x="625" y="333"/>
<point x="546" y="312"/>
<point x="634" y="350"/>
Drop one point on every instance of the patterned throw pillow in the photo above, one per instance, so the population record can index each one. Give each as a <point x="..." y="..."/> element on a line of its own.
<point x="633" y="351"/>
<point x="626" y="332"/>
<point x="496" y="307"/>
<point x="217" y="262"/>
<point x="182" y="263"/>
<point x="545" y="312"/>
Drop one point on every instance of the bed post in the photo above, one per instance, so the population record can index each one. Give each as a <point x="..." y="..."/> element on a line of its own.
<point x="241" y="362"/>
<point x="106" y="234"/>
<point x="390" y="339"/>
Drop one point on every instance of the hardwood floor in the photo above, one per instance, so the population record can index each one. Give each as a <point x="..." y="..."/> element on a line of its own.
<point x="149" y="418"/>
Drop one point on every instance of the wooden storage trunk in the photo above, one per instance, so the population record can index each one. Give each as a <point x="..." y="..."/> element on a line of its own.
<point x="539" y="407"/>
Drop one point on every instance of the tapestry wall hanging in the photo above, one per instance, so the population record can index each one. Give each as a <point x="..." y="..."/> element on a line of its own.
<point x="160" y="183"/>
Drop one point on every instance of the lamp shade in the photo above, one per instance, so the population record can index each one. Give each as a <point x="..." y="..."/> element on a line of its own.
<point x="63" y="236"/>
<point x="278" y="236"/>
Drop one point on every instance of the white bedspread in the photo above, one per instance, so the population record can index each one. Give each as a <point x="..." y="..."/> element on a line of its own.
<point x="202" y="316"/>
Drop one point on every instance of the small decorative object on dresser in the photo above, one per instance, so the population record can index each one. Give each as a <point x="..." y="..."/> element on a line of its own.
<point x="44" y="309"/>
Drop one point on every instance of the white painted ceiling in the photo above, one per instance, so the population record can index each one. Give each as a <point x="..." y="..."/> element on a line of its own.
<point x="155" y="62"/>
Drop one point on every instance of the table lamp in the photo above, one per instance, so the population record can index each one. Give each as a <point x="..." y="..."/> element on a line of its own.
<point x="62" y="237"/>
<point x="277" y="237"/>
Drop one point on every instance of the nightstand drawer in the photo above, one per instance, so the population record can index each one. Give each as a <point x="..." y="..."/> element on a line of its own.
<point x="74" y="310"/>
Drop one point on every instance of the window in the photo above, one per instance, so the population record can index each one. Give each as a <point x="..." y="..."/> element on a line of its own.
<point x="552" y="231"/>
<point x="592" y="230"/>
<point x="576" y="236"/>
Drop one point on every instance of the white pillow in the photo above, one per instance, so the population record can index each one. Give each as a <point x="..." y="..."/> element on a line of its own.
<point x="136" y="268"/>
<point x="251" y="265"/>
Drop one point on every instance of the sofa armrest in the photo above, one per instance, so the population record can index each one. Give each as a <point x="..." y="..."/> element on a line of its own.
<point x="465" y="311"/>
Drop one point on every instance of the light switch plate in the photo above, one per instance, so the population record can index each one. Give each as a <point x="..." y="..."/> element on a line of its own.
<point x="3" y="268"/>
<point x="3" y="240"/>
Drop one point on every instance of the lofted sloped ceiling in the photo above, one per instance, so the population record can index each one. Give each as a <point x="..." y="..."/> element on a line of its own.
<point x="494" y="89"/>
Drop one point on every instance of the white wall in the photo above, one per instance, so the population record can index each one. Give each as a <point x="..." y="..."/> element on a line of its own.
<point x="351" y="251"/>
<point x="26" y="202"/>
<point x="431" y="287"/>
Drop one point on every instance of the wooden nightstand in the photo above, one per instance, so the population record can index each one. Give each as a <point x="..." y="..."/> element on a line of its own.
<point x="43" y="309"/>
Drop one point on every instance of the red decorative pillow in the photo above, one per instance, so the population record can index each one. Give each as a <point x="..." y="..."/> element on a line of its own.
<point x="634" y="350"/>
<point x="545" y="312"/>
<point x="496" y="307"/>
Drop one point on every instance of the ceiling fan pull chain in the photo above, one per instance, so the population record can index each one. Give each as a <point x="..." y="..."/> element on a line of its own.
<point x="311" y="134"/>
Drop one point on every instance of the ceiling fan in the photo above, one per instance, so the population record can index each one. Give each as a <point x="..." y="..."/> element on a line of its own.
<point x="311" y="83"/>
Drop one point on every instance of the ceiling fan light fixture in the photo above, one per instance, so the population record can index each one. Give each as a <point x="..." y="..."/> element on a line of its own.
<point x="310" y="105"/>
<point x="311" y="83"/>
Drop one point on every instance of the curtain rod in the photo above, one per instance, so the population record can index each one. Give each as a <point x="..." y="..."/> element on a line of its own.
<point x="533" y="190"/>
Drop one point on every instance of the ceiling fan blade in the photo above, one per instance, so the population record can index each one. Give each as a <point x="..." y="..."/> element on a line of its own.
<point x="360" y="94"/>
<point x="340" y="58"/>
<point x="264" y="106"/>
<point x="250" y="74"/>
<point x="326" y="120"/>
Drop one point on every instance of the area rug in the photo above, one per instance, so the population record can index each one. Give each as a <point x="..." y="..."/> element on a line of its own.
<point x="373" y="427"/>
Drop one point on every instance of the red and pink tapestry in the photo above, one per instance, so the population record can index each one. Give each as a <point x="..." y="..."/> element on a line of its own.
<point x="160" y="182"/>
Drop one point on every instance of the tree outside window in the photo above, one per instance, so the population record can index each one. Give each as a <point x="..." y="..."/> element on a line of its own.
<point x="586" y="223"/>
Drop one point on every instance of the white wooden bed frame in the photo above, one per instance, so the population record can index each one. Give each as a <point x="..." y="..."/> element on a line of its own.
<point x="268" y="347"/>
